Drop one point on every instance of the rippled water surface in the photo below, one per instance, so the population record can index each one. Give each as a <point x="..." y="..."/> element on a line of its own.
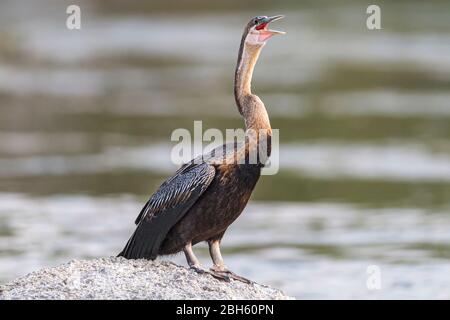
<point x="364" y="118"/>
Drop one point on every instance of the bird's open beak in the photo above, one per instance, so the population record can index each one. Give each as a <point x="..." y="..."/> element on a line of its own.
<point x="272" y="19"/>
<point x="266" y="33"/>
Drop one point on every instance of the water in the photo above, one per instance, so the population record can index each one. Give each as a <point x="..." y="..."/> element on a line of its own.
<point x="364" y="123"/>
<point x="319" y="250"/>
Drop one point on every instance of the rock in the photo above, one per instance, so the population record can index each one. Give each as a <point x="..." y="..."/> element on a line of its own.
<point x="118" y="278"/>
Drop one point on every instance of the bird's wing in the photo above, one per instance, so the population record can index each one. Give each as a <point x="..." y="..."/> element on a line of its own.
<point x="166" y="207"/>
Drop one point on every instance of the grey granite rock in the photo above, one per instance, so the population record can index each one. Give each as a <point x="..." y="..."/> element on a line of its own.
<point x="118" y="278"/>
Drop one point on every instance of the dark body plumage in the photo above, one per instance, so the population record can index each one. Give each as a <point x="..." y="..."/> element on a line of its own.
<point x="207" y="194"/>
<point x="223" y="201"/>
<point x="197" y="204"/>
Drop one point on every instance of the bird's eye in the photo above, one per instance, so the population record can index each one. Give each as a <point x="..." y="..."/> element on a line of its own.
<point x="255" y="21"/>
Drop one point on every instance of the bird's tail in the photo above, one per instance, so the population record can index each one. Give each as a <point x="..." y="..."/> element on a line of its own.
<point x="142" y="247"/>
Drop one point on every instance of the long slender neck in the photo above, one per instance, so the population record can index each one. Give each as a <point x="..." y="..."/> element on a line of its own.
<point x="248" y="56"/>
<point x="249" y="105"/>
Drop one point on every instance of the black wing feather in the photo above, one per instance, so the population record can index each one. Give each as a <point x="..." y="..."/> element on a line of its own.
<point x="166" y="207"/>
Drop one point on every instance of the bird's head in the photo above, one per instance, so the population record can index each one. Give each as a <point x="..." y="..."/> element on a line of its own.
<point x="258" y="31"/>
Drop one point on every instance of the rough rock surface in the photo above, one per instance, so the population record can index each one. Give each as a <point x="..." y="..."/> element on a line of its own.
<point x="118" y="278"/>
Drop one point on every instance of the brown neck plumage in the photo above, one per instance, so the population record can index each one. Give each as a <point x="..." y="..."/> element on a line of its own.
<point x="249" y="105"/>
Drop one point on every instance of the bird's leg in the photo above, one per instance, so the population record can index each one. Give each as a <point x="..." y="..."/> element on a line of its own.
<point x="192" y="260"/>
<point x="195" y="265"/>
<point x="219" y="267"/>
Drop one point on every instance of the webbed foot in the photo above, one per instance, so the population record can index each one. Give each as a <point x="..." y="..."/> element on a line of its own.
<point x="227" y="273"/>
<point x="217" y="275"/>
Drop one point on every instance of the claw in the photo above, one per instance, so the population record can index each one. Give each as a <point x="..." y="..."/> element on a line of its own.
<point x="230" y="275"/>
<point x="219" y="276"/>
<point x="198" y="269"/>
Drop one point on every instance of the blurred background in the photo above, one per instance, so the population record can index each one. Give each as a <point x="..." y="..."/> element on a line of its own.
<point x="364" y="118"/>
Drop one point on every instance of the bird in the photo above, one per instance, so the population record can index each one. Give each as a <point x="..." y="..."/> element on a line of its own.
<point x="207" y="194"/>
